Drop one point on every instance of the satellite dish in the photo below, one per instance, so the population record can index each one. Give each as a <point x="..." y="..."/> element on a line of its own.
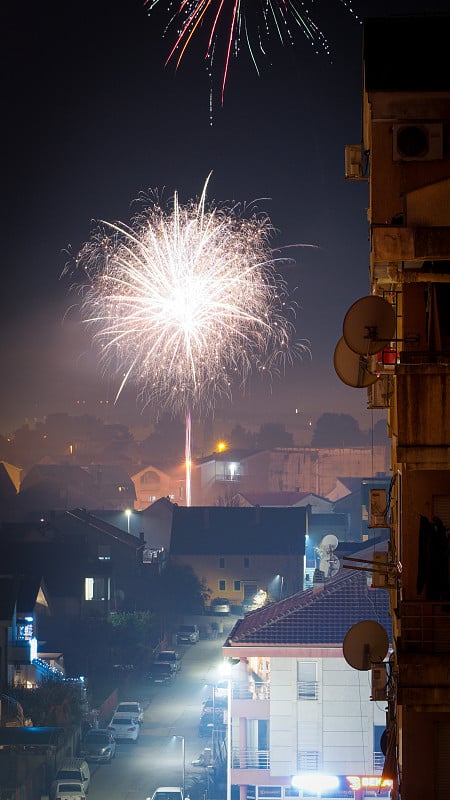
<point x="351" y="367"/>
<point x="364" y="644"/>
<point x="369" y="325"/>
<point x="330" y="541"/>
<point x="330" y="565"/>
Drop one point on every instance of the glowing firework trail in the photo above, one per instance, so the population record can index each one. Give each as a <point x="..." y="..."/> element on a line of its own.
<point x="250" y="20"/>
<point x="183" y="301"/>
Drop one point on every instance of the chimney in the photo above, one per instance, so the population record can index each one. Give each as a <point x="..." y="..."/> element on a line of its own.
<point x="318" y="580"/>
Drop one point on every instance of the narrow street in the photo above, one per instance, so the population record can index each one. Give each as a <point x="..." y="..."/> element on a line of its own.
<point x="170" y="729"/>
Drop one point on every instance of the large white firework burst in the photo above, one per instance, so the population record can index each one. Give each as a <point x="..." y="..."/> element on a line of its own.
<point x="186" y="300"/>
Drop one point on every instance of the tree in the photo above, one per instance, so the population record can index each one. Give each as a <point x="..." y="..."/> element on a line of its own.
<point x="136" y="633"/>
<point x="165" y="446"/>
<point x="242" y="439"/>
<point x="273" y="434"/>
<point x="177" y="591"/>
<point x="380" y="433"/>
<point x="338" y="430"/>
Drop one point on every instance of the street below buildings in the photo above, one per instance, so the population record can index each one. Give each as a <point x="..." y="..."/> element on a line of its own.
<point x="169" y="738"/>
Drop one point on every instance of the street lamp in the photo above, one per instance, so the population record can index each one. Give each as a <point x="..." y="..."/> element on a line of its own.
<point x="183" y="757"/>
<point x="227" y="672"/>
<point x="128" y="515"/>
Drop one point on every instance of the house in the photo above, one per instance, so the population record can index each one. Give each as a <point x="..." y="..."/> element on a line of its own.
<point x="238" y="551"/>
<point x="61" y="487"/>
<point x="217" y="478"/>
<point x="88" y="565"/>
<point x="114" y="487"/>
<point x="284" y="499"/>
<point x="297" y="706"/>
<point x="152" y="483"/>
<point x="154" y="523"/>
<point x="24" y="602"/>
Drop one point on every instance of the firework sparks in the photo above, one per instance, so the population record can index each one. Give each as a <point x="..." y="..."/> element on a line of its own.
<point x="241" y="21"/>
<point x="186" y="300"/>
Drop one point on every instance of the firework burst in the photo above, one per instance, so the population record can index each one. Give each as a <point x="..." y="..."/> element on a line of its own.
<point x="186" y="300"/>
<point x="251" y="22"/>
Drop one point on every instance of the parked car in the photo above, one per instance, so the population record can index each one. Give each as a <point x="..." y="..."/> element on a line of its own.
<point x="216" y="704"/>
<point x="124" y="728"/>
<point x="171" y="657"/>
<point x="189" y="634"/>
<point x="130" y="708"/>
<point x="220" y="605"/>
<point x="161" y="672"/>
<point x="73" y="770"/>
<point x="167" y="793"/>
<point x="99" y="746"/>
<point x="68" y="790"/>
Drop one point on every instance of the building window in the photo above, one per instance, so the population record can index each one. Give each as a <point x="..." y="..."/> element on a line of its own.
<point x="246" y="562"/>
<point x="307" y="685"/>
<point x="237" y="586"/>
<point x="25" y="629"/>
<point x="221" y="563"/>
<point x="96" y="588"/>
<point x="222" y="586"/>
<point x="104" y="552"/>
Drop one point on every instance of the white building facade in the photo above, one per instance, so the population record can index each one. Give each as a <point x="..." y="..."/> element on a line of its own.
<point x="297" y="708"/>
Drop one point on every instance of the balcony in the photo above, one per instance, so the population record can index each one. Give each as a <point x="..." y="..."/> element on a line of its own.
<point x="395" y="243"/>
<point x="249" y="758"/>
<point x="22" y="651"/>
<point x="425" y="627"/>
<point x="422" y="650"/>
<point x="423" y="427"/>
<point x="254" y="690"/>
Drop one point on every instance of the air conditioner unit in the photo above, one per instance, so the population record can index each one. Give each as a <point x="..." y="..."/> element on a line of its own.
<point x="380" y="392"/>
<point x="418" y="141"/>
<point x="354" y="163"/>
<point x="378" y="508"/>
<point x="379" y="681"/>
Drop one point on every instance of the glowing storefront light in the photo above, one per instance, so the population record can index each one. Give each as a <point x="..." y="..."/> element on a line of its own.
<point x="357" y="782"/>
<point x="315" y="782"/>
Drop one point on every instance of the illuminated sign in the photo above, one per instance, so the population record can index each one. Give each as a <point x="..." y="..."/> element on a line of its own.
<point x="368" y="782"/>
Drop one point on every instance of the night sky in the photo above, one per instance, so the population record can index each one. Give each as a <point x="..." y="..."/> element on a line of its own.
<point x="91" y="117"/>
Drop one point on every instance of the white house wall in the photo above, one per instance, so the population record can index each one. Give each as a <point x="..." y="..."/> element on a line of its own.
<point x="338" y="725"/>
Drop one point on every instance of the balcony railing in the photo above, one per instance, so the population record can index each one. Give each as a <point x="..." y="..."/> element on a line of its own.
<point x="307" y="690"/>
<point x="425" y="627"/>
<point x="254" y="690"/>
<point x="378" y="762"/>
<point x="308" y="761"/>
<point x="249" y="758"/>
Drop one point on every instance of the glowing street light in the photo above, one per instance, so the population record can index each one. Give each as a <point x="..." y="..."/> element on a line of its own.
<point x="183" y="758"/>
<point x="128" y="513"/>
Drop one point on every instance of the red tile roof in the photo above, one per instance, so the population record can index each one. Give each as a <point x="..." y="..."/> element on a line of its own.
<point x="316" y="617"/>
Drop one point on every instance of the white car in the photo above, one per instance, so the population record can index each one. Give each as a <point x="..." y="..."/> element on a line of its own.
<point x="130" y="708"/>
<point x="220" y="606"/>
<point x="168" y="793"/>
<point x="68" y="790"/>
<point x="124" y="728"/>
